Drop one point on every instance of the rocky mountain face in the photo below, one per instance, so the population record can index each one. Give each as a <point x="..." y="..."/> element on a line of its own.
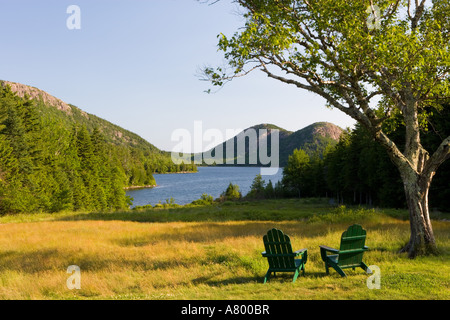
<point x="23" y="90"/>
<point x="69" y="115"/>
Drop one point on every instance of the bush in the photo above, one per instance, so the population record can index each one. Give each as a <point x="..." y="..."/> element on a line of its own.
<point x="257" y="188"/>
<point x="170" y="203"/>
<point x="144" y="207"/>
<point x="205" y="199"/>
<point x="231" y="194"/>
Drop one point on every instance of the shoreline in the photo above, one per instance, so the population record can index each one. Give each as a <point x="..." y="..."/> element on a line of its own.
<point x="176" y="172"/>
<point x="155" y="185"/>
<point x="140" y="187"/>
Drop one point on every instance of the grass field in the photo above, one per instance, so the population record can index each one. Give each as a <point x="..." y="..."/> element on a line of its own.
<point x="211" y="252"/>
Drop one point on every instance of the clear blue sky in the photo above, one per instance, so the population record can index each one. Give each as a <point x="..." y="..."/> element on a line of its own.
<point x="135" y="63"/>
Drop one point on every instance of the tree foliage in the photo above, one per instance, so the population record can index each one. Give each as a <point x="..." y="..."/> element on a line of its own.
<point x="374" y="60"/>
<point x="231" y="193"/>
<point x="296" y="171"/>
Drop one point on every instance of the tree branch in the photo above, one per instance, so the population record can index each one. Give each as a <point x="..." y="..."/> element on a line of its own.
<point x="418" y="13"/>
<point x="441" y="154"/>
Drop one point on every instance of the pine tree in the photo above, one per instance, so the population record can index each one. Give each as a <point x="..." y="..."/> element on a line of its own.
<point x="296" y="170"/>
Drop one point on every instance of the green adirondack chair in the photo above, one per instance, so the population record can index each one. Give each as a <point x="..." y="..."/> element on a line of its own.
<point x="350" y="253"/>
<point x="280" y="256"/>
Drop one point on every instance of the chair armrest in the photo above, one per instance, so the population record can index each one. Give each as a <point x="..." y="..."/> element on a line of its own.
<point x="300" y="252"/>
<point x="303" y="253"/>
<point x="325" y="248"/>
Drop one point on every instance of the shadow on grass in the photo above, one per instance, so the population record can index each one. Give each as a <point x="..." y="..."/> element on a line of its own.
<point x="284" y="277"/>
<point x="263" y="210"/>
<point x="42" y="260"/>
<point x="207" y="232"/>
<point x="29" y="262"/>
<point x="274" y="211"/>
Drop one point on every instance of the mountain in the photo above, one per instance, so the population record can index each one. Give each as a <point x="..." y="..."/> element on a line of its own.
<point x="54" y="156"/>
<point x="52" y="109"/>
<point x="313" y="139"/>
<point x="246" y="147"/>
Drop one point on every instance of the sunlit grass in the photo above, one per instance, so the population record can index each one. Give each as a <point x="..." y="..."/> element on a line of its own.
<point x="122" y="256"/>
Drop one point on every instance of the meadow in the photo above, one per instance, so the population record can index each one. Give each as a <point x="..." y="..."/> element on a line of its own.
<point x="212" y="252"/>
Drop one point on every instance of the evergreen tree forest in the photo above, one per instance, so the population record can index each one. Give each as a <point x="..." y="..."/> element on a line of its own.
<point x="50" y="163"/>
<point x="358" y="171"/>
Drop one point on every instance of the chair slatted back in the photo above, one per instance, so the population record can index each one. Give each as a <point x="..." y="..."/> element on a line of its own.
<point x="279" y="250"/>
<point x="352" y="246"/>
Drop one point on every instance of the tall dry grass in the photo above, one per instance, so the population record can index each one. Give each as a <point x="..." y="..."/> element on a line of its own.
<point x="207" y="260"/>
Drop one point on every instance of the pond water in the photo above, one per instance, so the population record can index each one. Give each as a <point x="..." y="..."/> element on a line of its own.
<point x="187" y="187"/>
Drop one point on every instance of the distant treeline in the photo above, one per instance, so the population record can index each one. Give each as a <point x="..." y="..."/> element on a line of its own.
<point x="48" y="165"/>
<point x="358" y="171"/>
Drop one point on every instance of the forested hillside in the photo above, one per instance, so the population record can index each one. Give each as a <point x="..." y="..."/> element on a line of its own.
<point x="358" y="171"/>
<point x="54" y="156"/>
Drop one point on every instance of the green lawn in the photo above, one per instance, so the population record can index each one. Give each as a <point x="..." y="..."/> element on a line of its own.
<point x="211" y="252"/>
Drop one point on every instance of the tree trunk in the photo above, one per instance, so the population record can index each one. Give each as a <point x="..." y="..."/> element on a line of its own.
<point x="422" y="237"/>
<point x="417" y="169"/>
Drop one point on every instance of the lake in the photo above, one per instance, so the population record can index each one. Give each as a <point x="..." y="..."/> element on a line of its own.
<point x="187" y="187"/>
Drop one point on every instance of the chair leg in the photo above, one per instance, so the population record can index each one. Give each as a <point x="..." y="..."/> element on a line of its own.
<point x="267" y="277"/>
<point x="326" y="268"/>
<point x="295" y="275"/>
<point x="339" y="270"/>
<point x="364" y="267"/>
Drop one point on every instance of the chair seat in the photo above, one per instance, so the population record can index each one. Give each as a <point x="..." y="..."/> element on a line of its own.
<point x="333" y="257"/>
<point x="298" y="262"/>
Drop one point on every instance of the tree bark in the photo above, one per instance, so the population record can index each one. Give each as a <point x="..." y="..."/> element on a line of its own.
<point x="416" y="169"/>
<point x="422" y="239"/>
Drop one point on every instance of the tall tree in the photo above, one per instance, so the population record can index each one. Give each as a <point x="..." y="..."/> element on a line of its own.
<point x="371" y="59"/>
<point x="295" y="172"/>
<point x="257" y="188"/>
